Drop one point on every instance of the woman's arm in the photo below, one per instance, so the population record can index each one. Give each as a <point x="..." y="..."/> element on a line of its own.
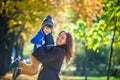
<point x="37" y="39"/>
<point x="52" y="55"/>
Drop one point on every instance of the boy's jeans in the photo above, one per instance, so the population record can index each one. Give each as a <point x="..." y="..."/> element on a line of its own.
<point x="30" y="69"/>
<point x="49" y="41"/>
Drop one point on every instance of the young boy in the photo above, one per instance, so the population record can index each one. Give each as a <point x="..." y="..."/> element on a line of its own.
<point x="44" y="39"/>
<point x="44" y="36"/>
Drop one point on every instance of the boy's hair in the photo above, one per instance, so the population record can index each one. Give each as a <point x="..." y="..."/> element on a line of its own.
<point x="48" y="25"/>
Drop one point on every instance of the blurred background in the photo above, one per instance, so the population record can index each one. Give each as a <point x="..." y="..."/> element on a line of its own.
<point x="94" y="24"/>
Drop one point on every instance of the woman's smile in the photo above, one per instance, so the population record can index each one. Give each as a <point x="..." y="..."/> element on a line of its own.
<point x="61" y="39"/>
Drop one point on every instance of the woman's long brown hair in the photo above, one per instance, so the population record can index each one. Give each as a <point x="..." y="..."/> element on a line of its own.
<point x="68" y="47"/>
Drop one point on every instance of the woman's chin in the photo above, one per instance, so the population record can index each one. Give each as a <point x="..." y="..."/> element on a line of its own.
<point x="57" y="44"/>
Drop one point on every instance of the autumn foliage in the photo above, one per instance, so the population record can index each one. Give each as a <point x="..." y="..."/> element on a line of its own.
<point x="87" y="10"/>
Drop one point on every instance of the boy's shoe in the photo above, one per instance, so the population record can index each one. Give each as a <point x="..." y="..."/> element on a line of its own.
<point x="14" y="64"/>
<point x="16" y="73"/>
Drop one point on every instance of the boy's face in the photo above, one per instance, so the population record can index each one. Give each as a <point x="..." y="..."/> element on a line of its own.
<point x="47" y="30"/>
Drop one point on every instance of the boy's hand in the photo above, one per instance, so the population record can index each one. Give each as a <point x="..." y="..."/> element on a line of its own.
<point x="43" y="42"/>
<point x="38" y="45"/>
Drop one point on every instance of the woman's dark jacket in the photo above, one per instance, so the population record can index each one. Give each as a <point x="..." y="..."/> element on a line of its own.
<point x="51" y="62"/>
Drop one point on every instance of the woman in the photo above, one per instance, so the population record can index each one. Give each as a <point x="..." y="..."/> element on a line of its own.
<point x="52" y="61"/>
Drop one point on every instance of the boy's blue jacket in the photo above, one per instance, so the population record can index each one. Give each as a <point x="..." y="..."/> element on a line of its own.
<point x="37" y="40"/>
<point x="40" y="36"/>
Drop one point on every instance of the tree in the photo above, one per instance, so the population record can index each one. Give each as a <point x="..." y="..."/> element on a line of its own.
<point x="18" y="20"/>
<point x="107" y="30"/>
<point x="87" y="10"/>
<point x="112" y="15"/>
<point x="91" y="39"/>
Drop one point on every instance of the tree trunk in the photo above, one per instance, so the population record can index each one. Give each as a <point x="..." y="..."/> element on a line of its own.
<point x="111" y="52"/>
<point x="86" y="61"/>
<point x="5" y="45"/>
<point x="19" y="48"/>
<point x="7" y="40"/>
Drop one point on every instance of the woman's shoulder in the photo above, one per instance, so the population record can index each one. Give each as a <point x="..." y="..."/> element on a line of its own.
<point x="59" y="49"/>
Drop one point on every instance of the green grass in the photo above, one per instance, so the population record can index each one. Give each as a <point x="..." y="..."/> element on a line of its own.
<point x="89" y="78"/>
<point x="8" y="76"/>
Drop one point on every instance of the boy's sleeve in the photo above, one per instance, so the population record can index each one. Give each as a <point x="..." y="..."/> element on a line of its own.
<point x="37" y="39"/>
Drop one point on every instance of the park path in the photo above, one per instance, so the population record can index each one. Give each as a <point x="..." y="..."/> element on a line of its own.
<point x="8" y="76"/>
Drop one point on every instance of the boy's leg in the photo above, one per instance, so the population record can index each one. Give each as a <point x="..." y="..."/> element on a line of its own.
<point x="30" y="69"/>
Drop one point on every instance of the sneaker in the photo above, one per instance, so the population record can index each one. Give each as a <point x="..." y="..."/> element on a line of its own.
<point x="16" y="73"/>
<point x="14" y="64"/>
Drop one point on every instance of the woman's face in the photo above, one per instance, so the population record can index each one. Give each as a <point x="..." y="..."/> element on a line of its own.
<point x="61" y="39"/>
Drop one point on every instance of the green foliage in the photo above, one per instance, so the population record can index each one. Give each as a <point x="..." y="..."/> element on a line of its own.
<point x="92" y="37"/>
<point x="112" y="18"/>
<point x="112" y="15"/>
<point x="101" y="31"/>
<point x="97" y="37"/>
